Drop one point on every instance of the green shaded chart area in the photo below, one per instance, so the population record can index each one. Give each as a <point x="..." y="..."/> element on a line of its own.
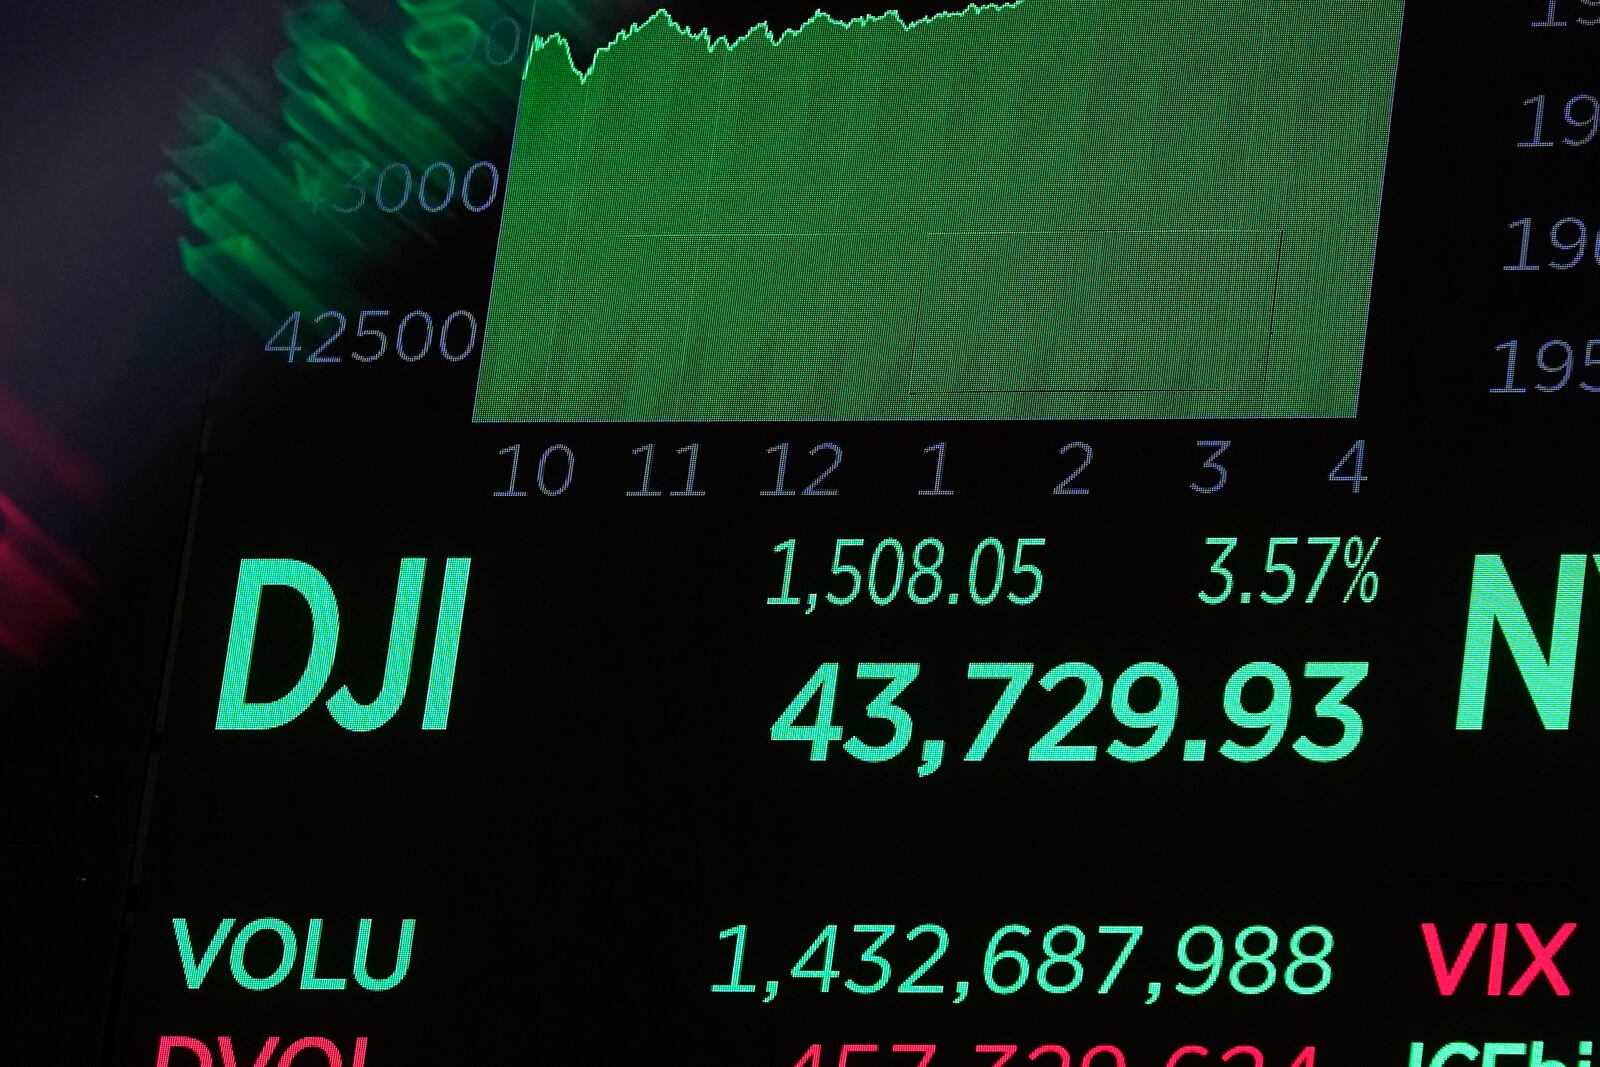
<point x="1047" y="209"/>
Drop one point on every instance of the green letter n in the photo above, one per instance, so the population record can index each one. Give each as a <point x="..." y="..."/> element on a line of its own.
<point x="1548" y="678"/>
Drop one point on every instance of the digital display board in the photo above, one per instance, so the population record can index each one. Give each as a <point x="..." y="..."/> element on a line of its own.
<point x="1052" y="532"/>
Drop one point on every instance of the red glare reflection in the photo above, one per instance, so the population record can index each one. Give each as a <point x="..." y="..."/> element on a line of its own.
<point x="40" y="585"/>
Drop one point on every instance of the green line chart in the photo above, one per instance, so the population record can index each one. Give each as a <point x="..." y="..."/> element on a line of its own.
<point x="1041" y="209"/>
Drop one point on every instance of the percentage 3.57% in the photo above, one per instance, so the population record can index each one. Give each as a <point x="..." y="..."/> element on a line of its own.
<point x="1294" y="569"/>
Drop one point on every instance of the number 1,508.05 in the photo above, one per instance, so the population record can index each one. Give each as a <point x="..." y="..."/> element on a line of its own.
<point x="994" y="572"/>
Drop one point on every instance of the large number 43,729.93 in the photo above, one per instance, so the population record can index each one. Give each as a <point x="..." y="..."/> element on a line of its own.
<point x="1143" y="698"/>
